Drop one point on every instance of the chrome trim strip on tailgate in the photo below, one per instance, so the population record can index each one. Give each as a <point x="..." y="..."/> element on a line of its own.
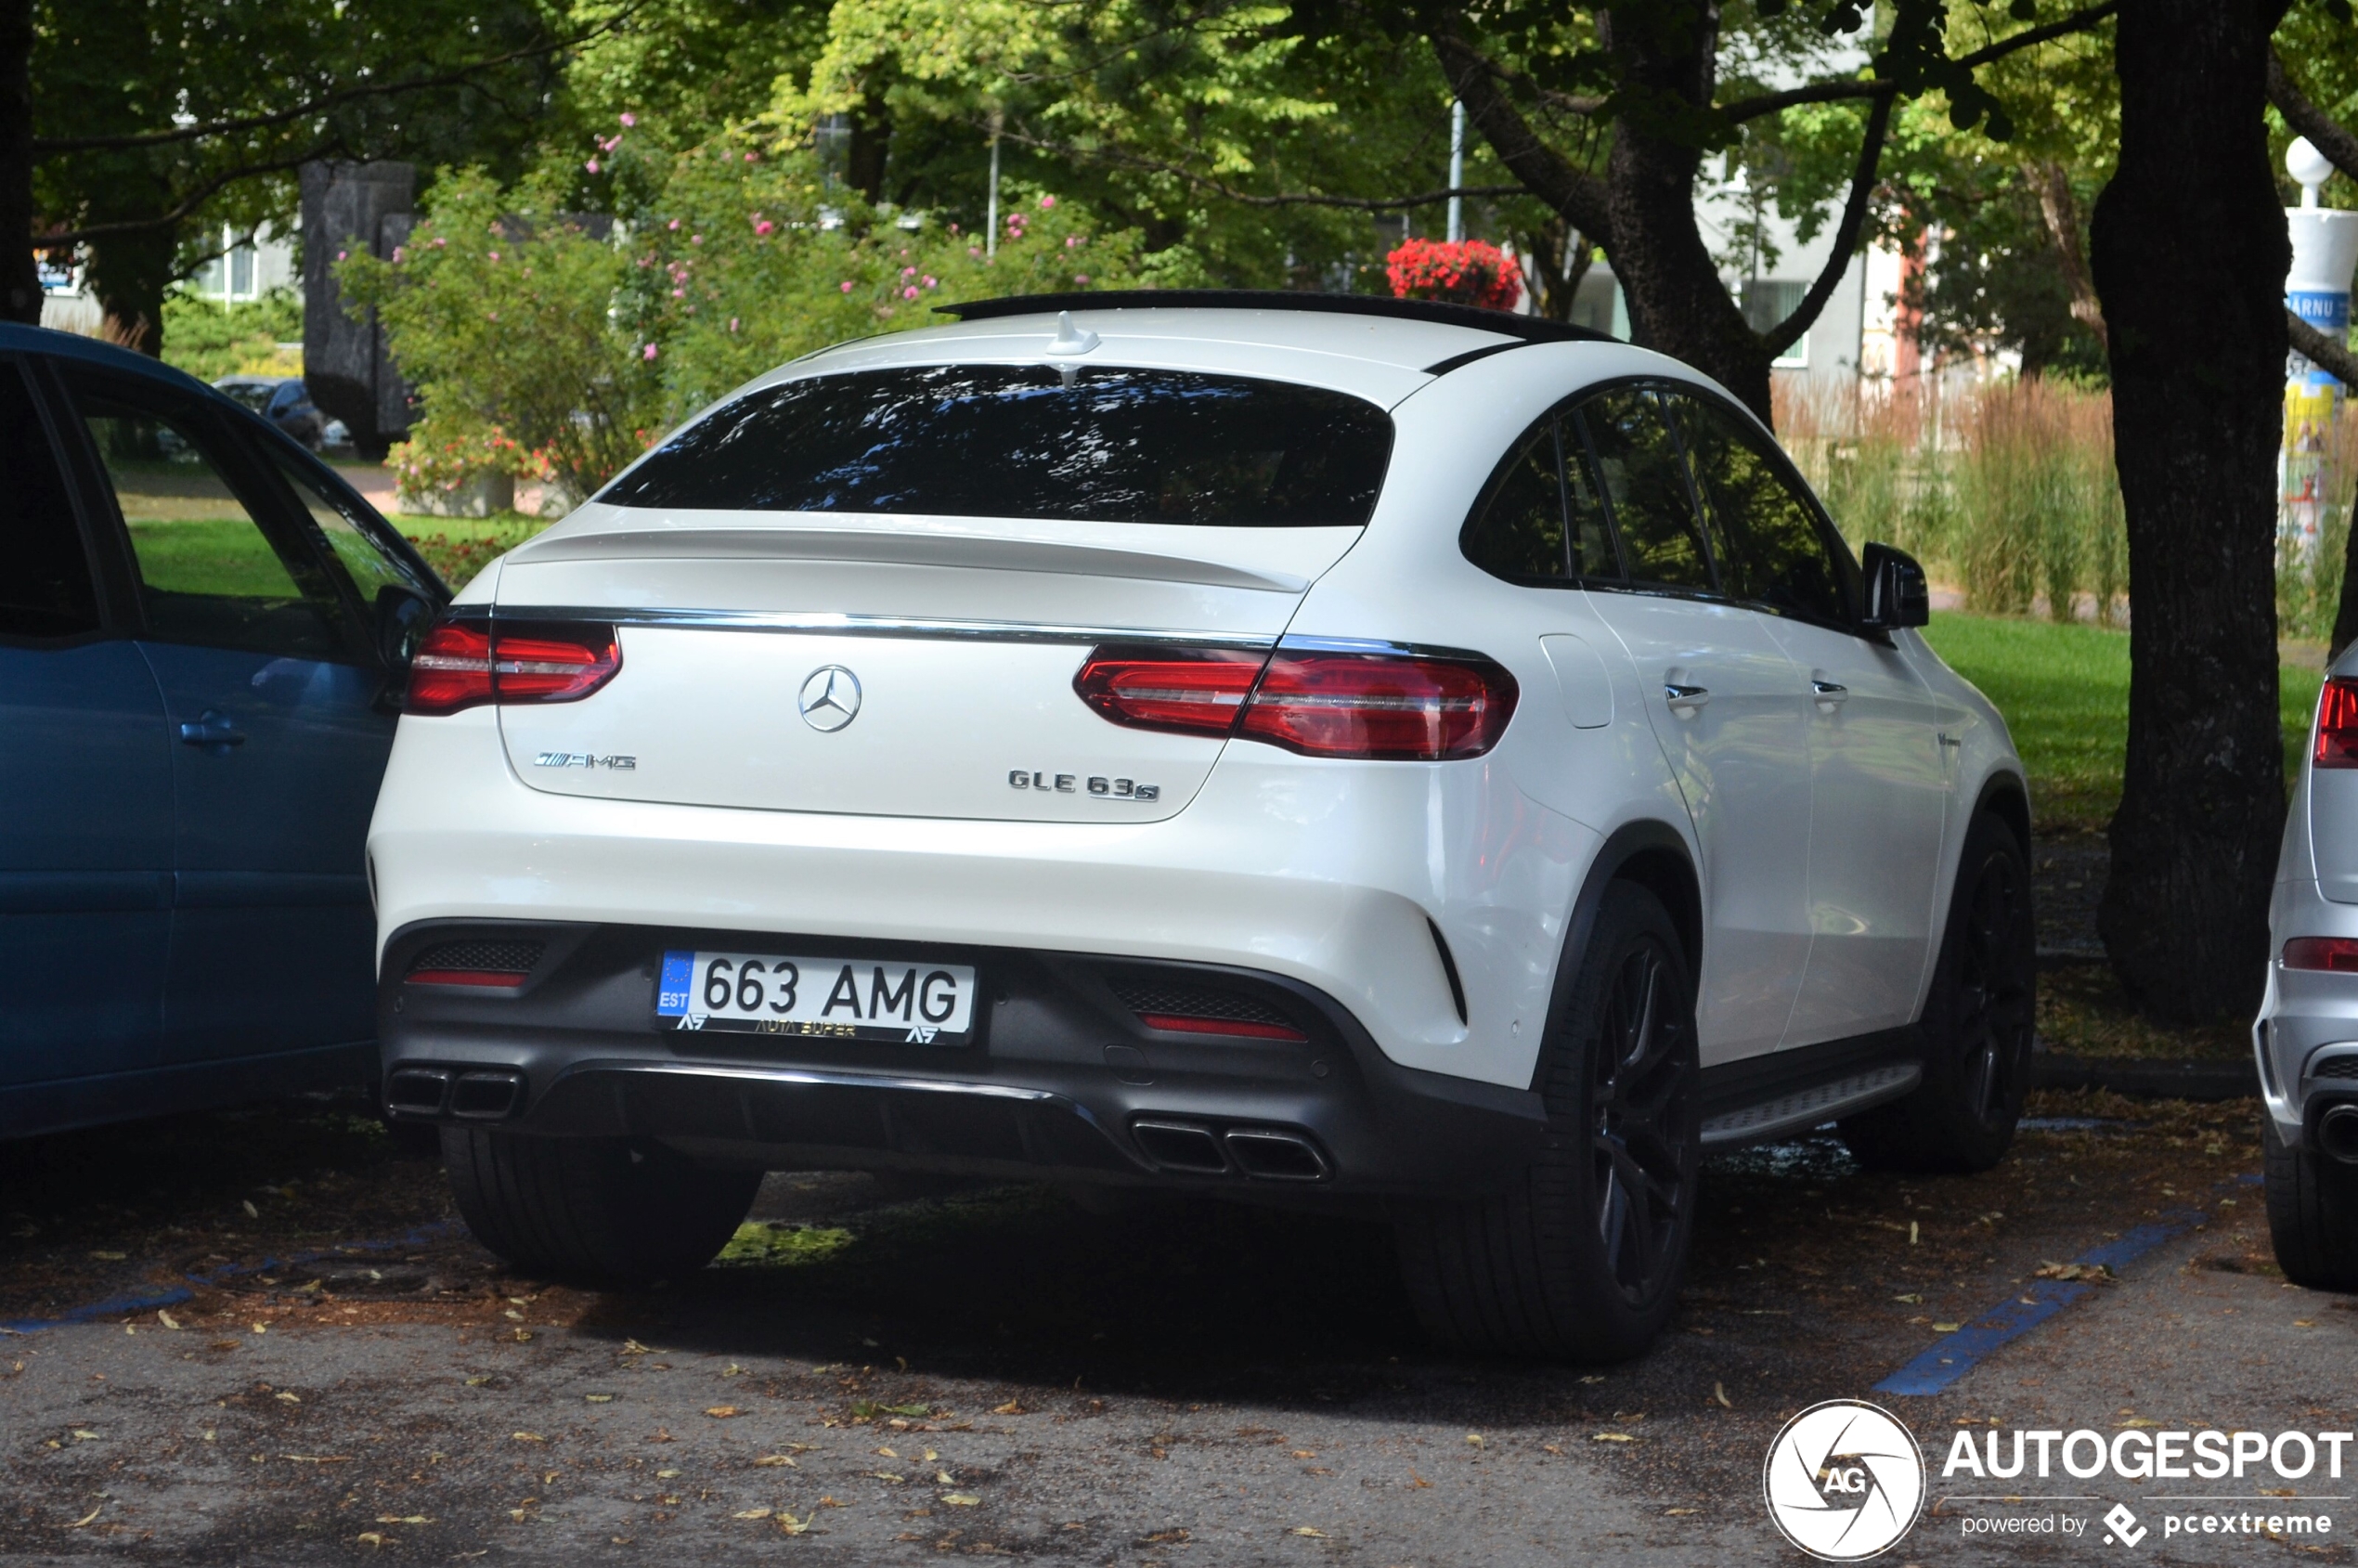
<point x="832" y="623"/>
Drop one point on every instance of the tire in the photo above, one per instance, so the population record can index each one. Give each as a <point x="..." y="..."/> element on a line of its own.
<point x="2312" y="1213"/>
<point x="1978" y="1025"/>
<point x="600" y="1211"/>
<point x="1583" y="1260"/>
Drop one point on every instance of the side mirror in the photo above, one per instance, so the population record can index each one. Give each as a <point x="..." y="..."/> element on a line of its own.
<point x="404" y="616"/>
<point x="1897" y="592"/>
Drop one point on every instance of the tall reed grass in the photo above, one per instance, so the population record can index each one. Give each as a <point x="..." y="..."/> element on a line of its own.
<point x="2007" y="493"/>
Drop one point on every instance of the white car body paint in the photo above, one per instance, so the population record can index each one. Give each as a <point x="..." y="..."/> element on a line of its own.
<point x="1819" y="918"/>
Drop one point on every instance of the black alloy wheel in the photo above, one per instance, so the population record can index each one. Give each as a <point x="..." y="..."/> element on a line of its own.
<point x="1978" y="1025"/>
<point x="1582" y="1258"/>
<point x="1640" y="1099"/>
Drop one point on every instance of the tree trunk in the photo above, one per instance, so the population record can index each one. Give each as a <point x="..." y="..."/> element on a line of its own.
<point x="2052" y="186"/>
<point x="19" y="278"/>
<point x="130" y="274"/>
<point x="2197" y="421"/>
<point x="1677" y="301"/>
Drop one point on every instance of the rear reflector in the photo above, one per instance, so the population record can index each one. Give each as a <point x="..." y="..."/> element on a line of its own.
<point x="1181" y="1023"/>
<point x="1389" y="707"/>
<point x="2340" y="953"/>
<point x="464" y="664"/>
<point x="465" y="977"/>
<point x="2337" y="725"/>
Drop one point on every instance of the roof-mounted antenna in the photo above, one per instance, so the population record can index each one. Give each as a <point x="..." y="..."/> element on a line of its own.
<point x="1070" y="339"/>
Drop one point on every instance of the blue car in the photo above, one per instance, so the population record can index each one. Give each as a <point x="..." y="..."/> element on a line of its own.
<point x="203" y="637"/>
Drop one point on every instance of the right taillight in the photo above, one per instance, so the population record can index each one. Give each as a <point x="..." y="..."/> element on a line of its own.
<point x="465" y="663"/>
<point x="2337" y="725"/>
<point x="2338" y="954"/>
<point x="1379" y="706"/>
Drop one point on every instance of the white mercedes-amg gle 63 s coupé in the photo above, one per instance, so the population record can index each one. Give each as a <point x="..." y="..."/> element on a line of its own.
<point x="1308" y="749"/>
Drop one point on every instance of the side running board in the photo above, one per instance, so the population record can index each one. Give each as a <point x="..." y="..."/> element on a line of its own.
<point x="1805" y="1108"/>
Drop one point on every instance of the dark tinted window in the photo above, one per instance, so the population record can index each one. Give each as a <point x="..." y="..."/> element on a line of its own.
<point x="1518" y="531"/>
<point x="46" y="591"/>
<point x="1644" y="479"/>
<point x="217" y="566"/>
<point x="1113" y="445"/>
<point x="1767" y="537"/>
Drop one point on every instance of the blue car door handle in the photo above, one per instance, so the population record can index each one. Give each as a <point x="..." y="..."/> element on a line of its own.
<point x="213" y="732"/>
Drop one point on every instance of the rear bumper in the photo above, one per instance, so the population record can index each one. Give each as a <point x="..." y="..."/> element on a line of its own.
<point x="2306" y="1036"/>
<point x="1061" y="1080"/>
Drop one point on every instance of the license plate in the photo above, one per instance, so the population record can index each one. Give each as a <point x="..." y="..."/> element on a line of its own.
<point x="818" y="998"/>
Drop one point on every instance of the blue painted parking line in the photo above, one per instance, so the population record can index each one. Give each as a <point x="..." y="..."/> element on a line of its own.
<point x="1960" y="1353"/>
<point x="172" y="1295"/>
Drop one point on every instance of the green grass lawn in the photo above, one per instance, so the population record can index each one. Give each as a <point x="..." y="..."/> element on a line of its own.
<point x="2065" y="693"/>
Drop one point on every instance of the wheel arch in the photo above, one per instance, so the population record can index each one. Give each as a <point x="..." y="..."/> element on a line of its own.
<point x="1652" y="855"/>
<point x="2004" y="794"/>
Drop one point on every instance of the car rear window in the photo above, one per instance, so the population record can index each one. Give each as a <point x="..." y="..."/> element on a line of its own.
<point x="1102" y="445"/>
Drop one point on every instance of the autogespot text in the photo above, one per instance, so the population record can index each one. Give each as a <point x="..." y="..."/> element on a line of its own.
<point x="2137" y="1454"/>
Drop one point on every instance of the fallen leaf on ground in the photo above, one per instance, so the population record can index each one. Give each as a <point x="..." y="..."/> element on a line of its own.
<point x="1719" y="1392"/>
<point x="370" y="1538"/>
<point x="598" y="1398"/>
<point x="961" y="1500"/>
<point x="527" y="1437"/>
<point x="403" y="1519"/>
<point x="87" y="1517"/>
<point x="110" y="1257"/>
<point x="86" y="1434"/>
<point x="794" y="1527"/>
<point x="318" y="1458"/>
<point x="1679" y="1512"/>
<point x="775" y="1459"/>
<point x="721" y="1412"/>
<point x="168" y="1321"/>
<point x="1611" y="1437"/>
<point x="752" y="1513"/>
<point x="290" y="1398"/>
<point x="1474" y="1439"/>
<point x="2097" y="1273"/>
<point x="1946" y="1328"/>
<point x="1307" y="1530"/>
<point x="252" y="1213"/>
<point x="1009" y="1408"/>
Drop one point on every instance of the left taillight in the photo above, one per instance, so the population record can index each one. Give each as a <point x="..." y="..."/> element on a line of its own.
<point x="1383" y="705"/>
<point x="2337" y="725"/>
<point x="464" y="663"/>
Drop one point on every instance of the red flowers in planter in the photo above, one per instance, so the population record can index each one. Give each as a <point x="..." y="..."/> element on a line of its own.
<point x="1465" y="272"/>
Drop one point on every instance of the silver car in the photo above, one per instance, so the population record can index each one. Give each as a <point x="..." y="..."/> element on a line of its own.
<point x="2307" y="1034"/>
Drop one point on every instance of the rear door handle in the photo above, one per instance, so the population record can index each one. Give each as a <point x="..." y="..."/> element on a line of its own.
<point x="213" y="732"/>
<point x="1680" y="696"/>
<point x="1829" y="693"/>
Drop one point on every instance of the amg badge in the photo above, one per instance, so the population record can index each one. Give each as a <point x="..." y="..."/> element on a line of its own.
<point x="583" y="759"/>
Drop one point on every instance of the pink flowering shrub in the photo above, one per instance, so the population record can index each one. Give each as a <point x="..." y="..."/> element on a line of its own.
<point x="1463" y="272"/>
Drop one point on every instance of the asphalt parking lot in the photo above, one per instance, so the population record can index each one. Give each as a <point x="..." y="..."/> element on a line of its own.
<point x="278" y="1347"/>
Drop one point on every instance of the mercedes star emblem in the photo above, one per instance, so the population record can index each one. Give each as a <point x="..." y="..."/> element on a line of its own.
<point x="830" y="698"/>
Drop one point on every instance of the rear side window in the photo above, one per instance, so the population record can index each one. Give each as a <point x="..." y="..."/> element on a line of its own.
<point x="1527" y="528"/>
<point x="46" y="589"/>
<point x="1644" y="479"/>
<point x="1107" y="445"/>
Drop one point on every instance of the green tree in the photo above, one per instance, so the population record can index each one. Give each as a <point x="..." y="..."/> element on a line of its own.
<point x="154" y="123"/>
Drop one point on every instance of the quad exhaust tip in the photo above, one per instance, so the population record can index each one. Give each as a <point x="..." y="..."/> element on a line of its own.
<point x="2337" y="1133"/>
<point x="478" y="1094"/>
<point x="1270" y="1154"/>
